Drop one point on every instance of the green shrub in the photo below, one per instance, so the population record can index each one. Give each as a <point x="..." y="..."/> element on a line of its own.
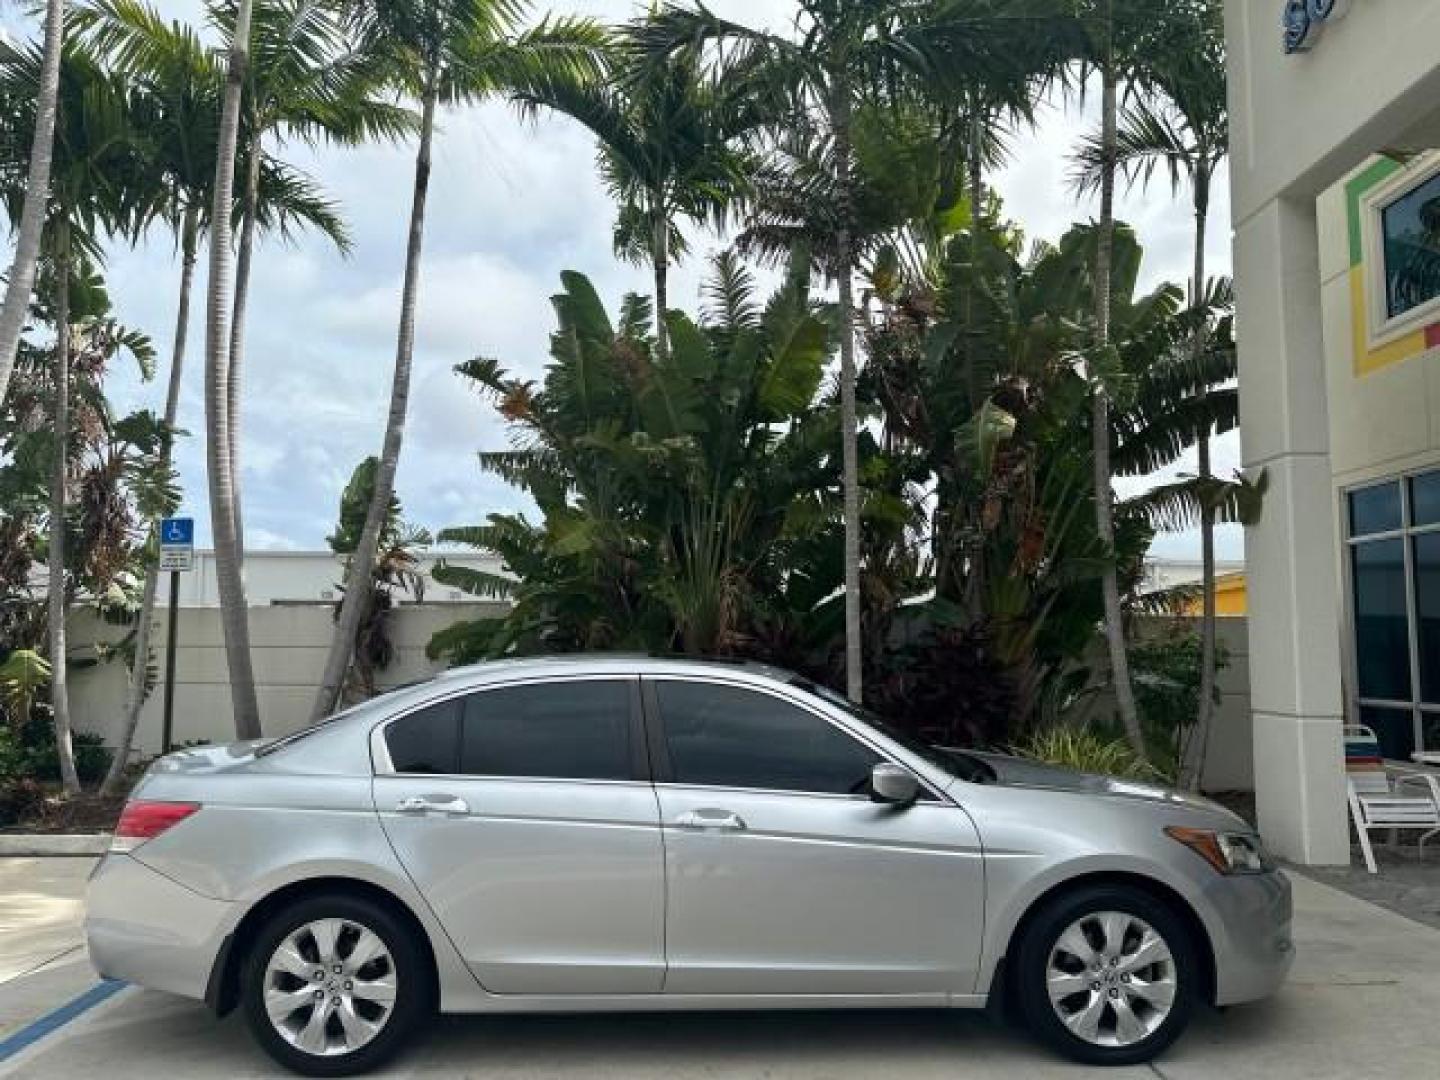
<point x="30" y="754"/>
<point x="20" y="799"/>
<point x="1166" y="671"/>
<point x="1086" y="750"/>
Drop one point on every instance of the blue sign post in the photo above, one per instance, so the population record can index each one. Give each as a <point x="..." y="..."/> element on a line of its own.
<point x="177" y="556"/>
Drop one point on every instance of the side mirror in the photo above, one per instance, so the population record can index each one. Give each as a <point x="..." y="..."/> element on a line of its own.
<point x="894" y="785"/>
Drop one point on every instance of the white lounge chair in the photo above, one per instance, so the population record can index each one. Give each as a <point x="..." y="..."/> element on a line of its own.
<point x="1384" y="797"/>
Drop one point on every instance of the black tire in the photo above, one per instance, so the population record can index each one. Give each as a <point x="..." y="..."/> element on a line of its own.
<point x="413" y="978"/>
<point x="1032" y="964"/>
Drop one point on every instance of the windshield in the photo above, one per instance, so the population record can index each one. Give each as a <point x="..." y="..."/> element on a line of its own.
<point x="955" y="762"/>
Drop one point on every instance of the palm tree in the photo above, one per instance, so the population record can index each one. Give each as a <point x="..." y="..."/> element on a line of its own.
<point x="848" y="51"/>
<point x="1188" y="133"/>
<point x="667" y="150"/>
<point x="186" y="82"/>
<point x="439" y="52"/>
<point x="303" y="81"/>
<point x="1121" y="41"/>
<point x="98" y="186"/>
<point x="37" y="187"/>
<point x="234" y="616"/>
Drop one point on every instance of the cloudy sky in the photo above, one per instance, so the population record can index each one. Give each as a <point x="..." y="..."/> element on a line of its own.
<point x="511" y="206"/>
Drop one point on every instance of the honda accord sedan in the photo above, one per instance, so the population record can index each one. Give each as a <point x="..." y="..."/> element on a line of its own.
<point x="608" y="833"/>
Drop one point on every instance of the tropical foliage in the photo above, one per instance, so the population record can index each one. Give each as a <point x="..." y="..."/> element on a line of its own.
<point x="893" y="470"/>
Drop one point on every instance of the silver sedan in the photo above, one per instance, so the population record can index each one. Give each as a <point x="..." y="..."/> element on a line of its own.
<point x="634" y="834"/>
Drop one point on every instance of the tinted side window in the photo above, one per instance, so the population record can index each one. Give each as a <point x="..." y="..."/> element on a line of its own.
<point x="567" y="730"/>
<point x="427" y="741"/>
<point x="729" y="737"/>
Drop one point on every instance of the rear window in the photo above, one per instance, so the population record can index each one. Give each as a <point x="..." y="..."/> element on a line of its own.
<point x="427" y="741"/>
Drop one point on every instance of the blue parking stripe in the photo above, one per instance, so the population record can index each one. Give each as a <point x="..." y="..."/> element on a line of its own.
<point x="52" y="1021"/>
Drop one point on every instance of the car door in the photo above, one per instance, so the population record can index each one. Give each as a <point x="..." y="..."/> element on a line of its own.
<point x="782" y="875"/>
<point x="525" y="816"/>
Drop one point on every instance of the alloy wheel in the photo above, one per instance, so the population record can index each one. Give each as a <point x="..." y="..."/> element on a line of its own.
<point x="330" y="987"/>
<point x="1111" y="979"/>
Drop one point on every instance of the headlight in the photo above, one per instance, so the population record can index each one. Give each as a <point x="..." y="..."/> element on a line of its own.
<point x="1227" y="852"/>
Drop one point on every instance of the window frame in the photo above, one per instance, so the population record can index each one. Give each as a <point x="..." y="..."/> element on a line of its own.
<point x="383" y="765"/>
<point x="663" y="770"/>
<point x="1418" y="708"/>
<point x="1381" y="327"/>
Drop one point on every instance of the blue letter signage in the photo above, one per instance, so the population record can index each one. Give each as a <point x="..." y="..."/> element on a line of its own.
<point x="1304" y="20"/>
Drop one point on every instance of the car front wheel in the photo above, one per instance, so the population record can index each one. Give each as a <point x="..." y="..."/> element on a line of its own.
<point x="1107" y="975"/>
<point x="334" y="986"/>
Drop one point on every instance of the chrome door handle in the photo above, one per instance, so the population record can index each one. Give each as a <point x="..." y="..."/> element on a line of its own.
<point x="710" y="819"/>
<point x="433" y="804"/>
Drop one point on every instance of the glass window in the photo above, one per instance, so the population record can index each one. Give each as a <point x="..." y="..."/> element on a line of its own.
<point x="1411" y="229"/>
<point x="1382" y="645"/>
<point x="726" y="736"/>
<point x="1425" y="499"/>
<point x="426" y="741"/>
<point x="1395" y="728"/>
<point x="1375" y="510"/>
<point x="1427" y="613"/>
<point x="1430" y="731"/>
<point x="577" y="730"/>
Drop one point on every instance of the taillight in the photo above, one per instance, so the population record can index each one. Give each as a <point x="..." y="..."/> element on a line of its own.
<point x="142" y="820"/>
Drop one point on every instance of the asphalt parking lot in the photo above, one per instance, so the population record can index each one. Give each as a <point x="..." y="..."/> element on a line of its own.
<point x="1362" y="1002"/>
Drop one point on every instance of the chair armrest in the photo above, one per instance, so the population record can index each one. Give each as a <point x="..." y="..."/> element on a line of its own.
<point x="1418" y="781"/>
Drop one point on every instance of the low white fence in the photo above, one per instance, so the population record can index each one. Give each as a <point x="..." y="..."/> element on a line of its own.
<point x="288" y="648"/>
<point x="288" y="651"/>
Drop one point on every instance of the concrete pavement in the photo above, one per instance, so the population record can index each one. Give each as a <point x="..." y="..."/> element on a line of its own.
<point x="1362" y="1002"/>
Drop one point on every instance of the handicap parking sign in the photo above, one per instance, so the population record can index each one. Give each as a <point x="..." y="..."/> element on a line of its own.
<point x="177" y="532"/>
<point x="177" y="544"/>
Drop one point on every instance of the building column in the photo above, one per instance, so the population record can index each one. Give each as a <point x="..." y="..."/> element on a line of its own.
<point x="1296" y="694"/>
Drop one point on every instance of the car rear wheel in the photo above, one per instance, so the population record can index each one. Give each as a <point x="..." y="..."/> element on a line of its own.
<point x="1107" y="975"/>
<point x="334" y="985"/>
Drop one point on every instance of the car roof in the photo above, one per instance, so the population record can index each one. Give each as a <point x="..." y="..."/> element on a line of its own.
<point x="607" y="663"/>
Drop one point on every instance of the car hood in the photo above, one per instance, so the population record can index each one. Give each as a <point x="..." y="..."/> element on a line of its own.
<point x="1024" y="773"/>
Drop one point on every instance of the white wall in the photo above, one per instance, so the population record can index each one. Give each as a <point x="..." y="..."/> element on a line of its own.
<point x="289" y="648"/>
<point x="288" y="576"/>
<point x="1230" y="755"/>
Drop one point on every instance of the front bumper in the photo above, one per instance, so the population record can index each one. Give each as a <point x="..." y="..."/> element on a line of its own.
<point x="144" y="928"/>
<point x="1253" y="947"/>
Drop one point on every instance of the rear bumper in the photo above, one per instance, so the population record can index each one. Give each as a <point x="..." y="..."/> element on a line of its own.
<point x="1254" y="952"/>
<point x="146" y="929"/>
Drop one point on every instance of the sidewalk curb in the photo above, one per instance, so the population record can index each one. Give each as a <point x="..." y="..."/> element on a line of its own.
<point x="14" y="845"/>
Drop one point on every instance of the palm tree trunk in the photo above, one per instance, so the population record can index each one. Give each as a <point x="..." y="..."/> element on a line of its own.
<point x="37" y="190"/>
<point x="849" y="424"/>
<point x="59" y="674"/>
<point x="975" y="171"/>
<point x="976" y="587"/>
<point x="1100" y="418"/>
<point x="140" y="669"/>
<point x="1192" y="766"/>
<point x="234" y="378"/>
<point x="660" y="252"/>
<point x="234" y="616"/>
<point x="362" y="563"/>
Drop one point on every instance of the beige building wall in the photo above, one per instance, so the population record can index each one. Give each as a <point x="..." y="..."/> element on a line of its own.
<point x="290" y="644"/>
<point x="1301" y="124"/>
<point x="1384" y="420"/>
